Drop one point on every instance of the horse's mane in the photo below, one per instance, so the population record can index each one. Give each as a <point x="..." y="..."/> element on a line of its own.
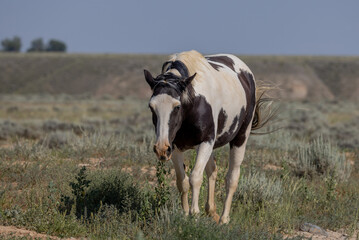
<point x="179" y="67"/>
<point x="194" y="61"/>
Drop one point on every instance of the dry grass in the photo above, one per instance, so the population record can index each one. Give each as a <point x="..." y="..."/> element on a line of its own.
<point x="106" y="135"/>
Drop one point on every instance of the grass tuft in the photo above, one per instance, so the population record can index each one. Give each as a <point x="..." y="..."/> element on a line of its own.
<point x="321" y="158"/>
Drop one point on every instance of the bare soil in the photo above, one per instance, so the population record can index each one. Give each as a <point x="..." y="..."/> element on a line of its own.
<point x="11" y="232"/>
<point x="331" y="235"/>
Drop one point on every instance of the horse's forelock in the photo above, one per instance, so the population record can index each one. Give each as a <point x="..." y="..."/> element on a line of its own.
<point x="169" y="81"/>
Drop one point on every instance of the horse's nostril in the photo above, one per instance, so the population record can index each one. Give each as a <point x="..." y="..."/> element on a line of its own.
<point x="154" y="148"/>
<point x="169" y="151"/>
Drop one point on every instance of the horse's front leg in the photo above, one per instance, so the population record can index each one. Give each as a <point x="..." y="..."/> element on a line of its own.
<point x="203" y="153"/>
<point x="182" y="179"/>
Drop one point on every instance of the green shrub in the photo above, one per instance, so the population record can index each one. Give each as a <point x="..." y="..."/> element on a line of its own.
<point x="321" y="158"/>
<point x="107" y="188"/>
<point x="259" y="190"/>
<point x="162" y="191"/>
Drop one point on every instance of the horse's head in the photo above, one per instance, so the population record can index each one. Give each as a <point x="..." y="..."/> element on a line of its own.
<point x="167" y="110"/>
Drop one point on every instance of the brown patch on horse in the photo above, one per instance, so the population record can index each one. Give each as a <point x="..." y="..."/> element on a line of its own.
<point x="215" y="66"/>
<point x="197" y="127"/>
<point x="247" y="81"/>
<point x="224" y="60"/>
<point x="233" y="130"/>
<point x="222" y="118"/>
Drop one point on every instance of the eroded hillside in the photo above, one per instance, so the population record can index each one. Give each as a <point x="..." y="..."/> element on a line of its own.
<point x="305" y="77"/>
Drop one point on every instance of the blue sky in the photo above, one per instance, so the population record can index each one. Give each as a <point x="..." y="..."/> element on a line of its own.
<point x="267" y="27"/>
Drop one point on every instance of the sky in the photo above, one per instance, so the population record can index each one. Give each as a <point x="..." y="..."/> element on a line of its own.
<point x="253" y="27"/>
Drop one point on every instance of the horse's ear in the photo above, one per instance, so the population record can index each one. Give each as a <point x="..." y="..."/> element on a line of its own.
<point x="149" y="78"/>
<point x="188" y="80"/>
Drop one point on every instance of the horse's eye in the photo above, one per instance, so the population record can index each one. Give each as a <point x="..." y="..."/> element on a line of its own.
<point x="177" y="107"/>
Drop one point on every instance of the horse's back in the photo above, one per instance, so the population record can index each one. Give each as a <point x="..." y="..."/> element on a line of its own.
<point x="228" y="60"/>
<point x="227" y="85"/>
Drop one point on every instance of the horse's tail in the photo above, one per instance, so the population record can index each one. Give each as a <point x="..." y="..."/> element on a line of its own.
<point x="264" y="111"/>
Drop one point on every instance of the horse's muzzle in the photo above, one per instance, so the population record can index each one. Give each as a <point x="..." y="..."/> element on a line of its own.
<point x="164" y="152"/>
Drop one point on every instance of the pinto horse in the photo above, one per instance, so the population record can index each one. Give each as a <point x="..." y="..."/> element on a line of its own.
<point x="203" y="102"/>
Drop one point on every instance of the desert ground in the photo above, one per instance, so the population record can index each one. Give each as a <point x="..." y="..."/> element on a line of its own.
<point x="76" y="157"/>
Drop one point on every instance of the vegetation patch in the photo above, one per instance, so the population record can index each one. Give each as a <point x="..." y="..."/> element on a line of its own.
<point x="113" y="188"/>
<point x="255" y="188"/>
<point x="313" y="178"/>
<point x="319" y="157"/>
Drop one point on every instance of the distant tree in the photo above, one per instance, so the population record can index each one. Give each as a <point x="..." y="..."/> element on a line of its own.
<point x="11" y="45"/>
<point x="56" y="46"/>
<point x="37" y="45"/>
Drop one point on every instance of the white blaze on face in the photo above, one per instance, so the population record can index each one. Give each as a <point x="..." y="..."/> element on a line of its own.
<point x="163" y="105"/>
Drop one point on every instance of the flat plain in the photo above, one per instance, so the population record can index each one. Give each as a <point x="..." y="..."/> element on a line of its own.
<point x="76" y="155"/>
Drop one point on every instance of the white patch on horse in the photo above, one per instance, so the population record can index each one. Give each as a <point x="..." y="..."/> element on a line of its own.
<point x="236" y="91"/>
<point x="164" y="67"/>
<point x="174" y="71"/>
<point x="163" y="105"/>
<point x="239" y="65"/>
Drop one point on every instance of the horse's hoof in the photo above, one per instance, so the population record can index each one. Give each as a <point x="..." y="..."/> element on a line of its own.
<point x="216" y="217"/>
<point x="223" y="220"/>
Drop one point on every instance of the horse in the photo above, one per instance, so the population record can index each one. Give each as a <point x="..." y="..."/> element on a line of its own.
<point x="203" y="102"/>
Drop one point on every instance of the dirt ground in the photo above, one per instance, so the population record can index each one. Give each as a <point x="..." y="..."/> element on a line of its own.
<point x="331" y="236"/>
<point x="11" y="232"/>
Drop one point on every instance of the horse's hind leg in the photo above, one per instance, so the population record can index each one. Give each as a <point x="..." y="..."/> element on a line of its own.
<point x="182" y="178"/>
<point x="237" y="149"/>
<point x="211" y="172"/>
